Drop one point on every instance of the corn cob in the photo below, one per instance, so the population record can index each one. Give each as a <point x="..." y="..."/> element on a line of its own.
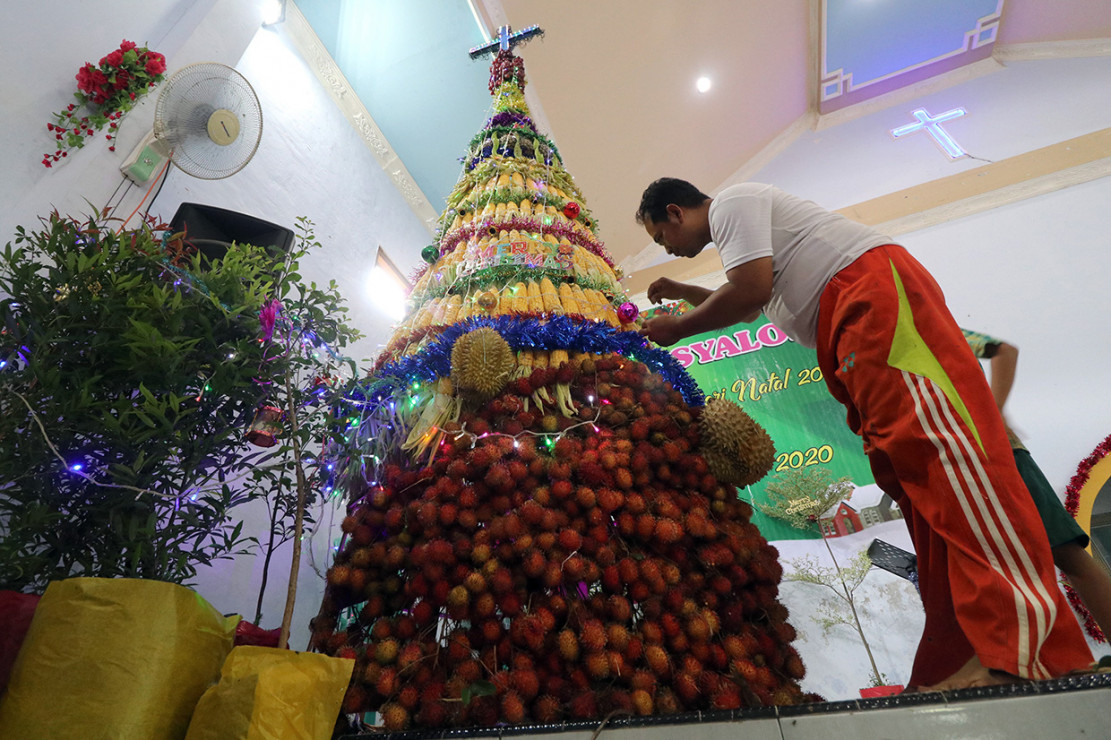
<point x="550" y="297"/>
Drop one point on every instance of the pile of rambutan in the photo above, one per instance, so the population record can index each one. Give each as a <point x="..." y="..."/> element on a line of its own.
<point x="546" y="567"/>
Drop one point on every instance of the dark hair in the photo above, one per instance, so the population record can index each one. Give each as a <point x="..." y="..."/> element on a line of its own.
<point x="663" y="192"/>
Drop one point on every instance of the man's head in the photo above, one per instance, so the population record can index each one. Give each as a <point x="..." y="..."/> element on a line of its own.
<point x="676" y="215"/>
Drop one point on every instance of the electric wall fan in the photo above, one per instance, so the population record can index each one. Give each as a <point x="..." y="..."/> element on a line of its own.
<point x="207" y="121"/>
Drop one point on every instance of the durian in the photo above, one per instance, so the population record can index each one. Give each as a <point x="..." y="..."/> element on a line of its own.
<point x="736" y="448"/>
<point x="481" y="364"/>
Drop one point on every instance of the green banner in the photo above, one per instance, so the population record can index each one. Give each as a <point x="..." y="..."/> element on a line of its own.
<point x="778" y="383"/>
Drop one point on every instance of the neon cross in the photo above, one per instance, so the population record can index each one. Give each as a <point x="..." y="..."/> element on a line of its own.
<point x="506" y="41"/>
<point x="932" y="125"/>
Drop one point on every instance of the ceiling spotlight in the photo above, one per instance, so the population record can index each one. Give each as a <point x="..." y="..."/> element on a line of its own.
<point x="273" y="12"/>
<point x="703" y="84"/>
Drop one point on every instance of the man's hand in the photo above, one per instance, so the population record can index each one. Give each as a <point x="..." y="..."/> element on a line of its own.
<point x="663" y="289"/>
<point x="663" y="330"/>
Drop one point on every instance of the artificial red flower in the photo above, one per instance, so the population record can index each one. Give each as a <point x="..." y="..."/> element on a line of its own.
<point x="126" y="45"/>
<point x="113" y="59"/>
<point x="156" y="63"/>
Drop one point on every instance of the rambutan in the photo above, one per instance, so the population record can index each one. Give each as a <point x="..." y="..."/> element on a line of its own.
<point x="568" y="645"/>
<point x="547" y="709"/>
<point x="574" y="567"/>
<point x="513" y="708"/>
<point x="643" y="702"/>
<point x="553" y="574"/>
<point x="570" y="540"/>
<point x="584" y="705"/>
<point x="657" y="660"/>
<point x="409" y="697"/>
<point x="697" y="629"/>
<point x="592" y="635"/>
<point x="597" y="666"/>
<point x="668" y="531"/>
<point x="794" y="667"/>
<point x="385" y="652"/>
<point x="355" y="700"/>
<point x="524" y="682"/>
<point x="728" y="696"/>
<point x="387" y="683"/>
<point x="562" y="489"/>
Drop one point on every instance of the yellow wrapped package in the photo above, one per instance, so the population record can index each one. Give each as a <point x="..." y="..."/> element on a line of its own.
<point x="114" y="659"/>
<point x="271" y="694"/>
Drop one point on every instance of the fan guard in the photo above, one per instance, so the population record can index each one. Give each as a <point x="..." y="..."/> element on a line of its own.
<point x="209" y="119"/>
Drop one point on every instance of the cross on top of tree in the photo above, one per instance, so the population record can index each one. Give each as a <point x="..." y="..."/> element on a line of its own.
<point x="506" y="40"/>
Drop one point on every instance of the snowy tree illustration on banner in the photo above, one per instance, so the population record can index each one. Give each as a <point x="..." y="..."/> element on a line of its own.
<point x="544" y="524"/>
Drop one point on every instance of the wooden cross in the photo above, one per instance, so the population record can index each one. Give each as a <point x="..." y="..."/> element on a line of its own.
<point x="506" y="41"/>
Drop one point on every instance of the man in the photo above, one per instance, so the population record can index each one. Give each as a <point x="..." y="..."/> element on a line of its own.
<point x="891" y="353"/>
<point x="1067" y="540"/>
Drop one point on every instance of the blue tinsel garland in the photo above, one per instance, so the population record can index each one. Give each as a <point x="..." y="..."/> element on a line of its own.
<point x="559" y="332"/>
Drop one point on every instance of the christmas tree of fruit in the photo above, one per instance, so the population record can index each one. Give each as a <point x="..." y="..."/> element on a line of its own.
<point x="547" y="527"/>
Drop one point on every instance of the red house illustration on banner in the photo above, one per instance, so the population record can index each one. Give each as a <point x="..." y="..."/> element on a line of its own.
<point x="844" y="520"/>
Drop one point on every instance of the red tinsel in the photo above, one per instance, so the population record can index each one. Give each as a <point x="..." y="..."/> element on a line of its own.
<point x="1072" y="504"/>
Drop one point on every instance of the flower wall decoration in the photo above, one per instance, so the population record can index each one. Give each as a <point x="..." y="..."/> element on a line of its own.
<point x="107" y="90"/>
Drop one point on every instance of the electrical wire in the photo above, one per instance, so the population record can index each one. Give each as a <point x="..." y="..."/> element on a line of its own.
<point x="110" y="207"/>
<point x="165" y="177"/>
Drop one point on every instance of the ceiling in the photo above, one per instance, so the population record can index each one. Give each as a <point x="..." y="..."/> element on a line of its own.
<point x="613" y="81"/>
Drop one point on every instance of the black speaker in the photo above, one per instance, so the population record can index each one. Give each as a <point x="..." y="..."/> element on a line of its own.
<point x="212" y="230"/>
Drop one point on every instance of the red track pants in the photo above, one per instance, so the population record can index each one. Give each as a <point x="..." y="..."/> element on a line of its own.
<point x="893" y="355"/>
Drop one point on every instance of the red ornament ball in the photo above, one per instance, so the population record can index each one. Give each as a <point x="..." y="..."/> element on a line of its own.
<point x="571" y="210"/>
<point x="627" y="312"/>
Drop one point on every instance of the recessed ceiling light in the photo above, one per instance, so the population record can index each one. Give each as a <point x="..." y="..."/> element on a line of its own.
<point x="703" y="84"/>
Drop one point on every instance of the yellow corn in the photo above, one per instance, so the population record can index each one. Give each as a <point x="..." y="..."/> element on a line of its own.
<point x="567" y="298"/>
<point x="535" y="298"/>
<point x="441" y="311"/>
<point x="550" y="297"/>
<point x="586" y="307"/>
<point x="519" y="298"/>
<point x="451" y="313"/>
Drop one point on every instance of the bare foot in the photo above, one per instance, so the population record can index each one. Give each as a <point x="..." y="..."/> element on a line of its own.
<point x="971" y="675"/>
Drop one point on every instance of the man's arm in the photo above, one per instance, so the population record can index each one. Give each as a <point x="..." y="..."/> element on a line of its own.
<point x="1003" y="364"/>
<point x="666" y="289"/>
<point x="741" y="298"/>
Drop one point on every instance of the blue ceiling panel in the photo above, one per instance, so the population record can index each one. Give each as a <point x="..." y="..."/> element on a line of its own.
<point x="870" y="43"/>
<point x="407" y="61"/>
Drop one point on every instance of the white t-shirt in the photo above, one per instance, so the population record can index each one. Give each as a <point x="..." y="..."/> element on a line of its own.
<point x="808" y="246"/>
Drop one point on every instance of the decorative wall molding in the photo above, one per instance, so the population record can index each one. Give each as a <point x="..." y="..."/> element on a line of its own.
<point x="920" y="89"/>
<point x="1053" y="50"/>
<point x="334" y="81"/>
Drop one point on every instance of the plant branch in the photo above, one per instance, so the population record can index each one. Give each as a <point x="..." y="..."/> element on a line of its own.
<point x="79" y="473"/>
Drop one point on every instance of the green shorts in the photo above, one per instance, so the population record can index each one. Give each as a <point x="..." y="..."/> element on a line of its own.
<point x="1059" y="523"/>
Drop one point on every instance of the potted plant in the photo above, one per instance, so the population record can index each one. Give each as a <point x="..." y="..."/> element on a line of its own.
<point x="129" y="374"/>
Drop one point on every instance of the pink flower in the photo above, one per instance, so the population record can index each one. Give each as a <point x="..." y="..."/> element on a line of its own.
<point x="267" y="316"/>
